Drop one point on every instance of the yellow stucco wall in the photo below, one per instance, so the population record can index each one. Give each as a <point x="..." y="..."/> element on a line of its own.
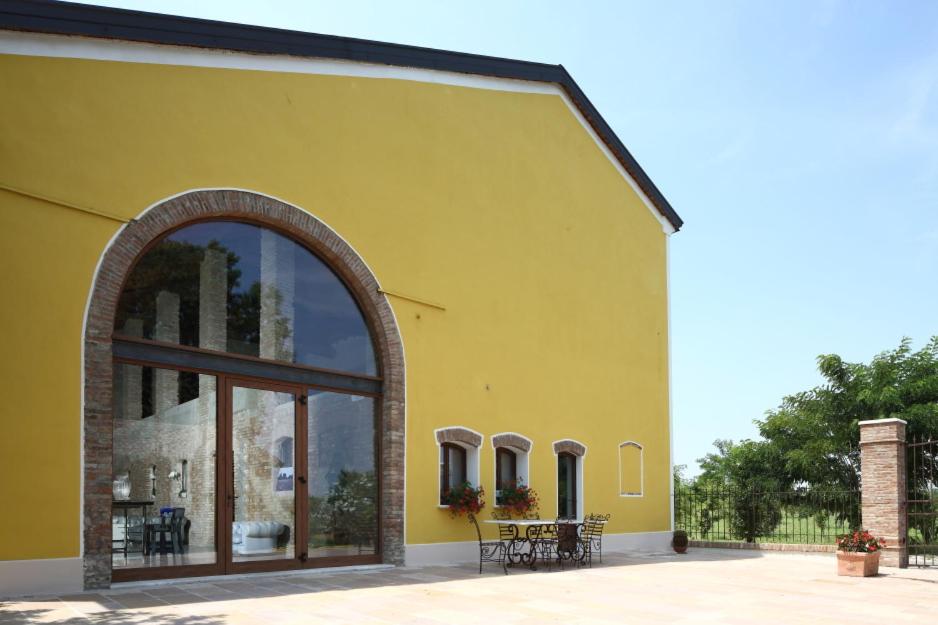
<point x="496" y="204"/>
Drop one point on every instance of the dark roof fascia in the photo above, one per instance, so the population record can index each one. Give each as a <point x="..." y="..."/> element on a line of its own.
<point x="66" y="18"/>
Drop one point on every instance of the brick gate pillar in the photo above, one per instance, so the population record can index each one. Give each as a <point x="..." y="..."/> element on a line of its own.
<point x="882" y="476"/>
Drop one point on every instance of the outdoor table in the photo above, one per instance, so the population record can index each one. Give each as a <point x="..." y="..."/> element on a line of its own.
<point x="522" y="549"/>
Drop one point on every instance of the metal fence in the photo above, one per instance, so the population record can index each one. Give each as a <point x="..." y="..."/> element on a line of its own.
<point x="922" y="502"/>
<point x="803" y="517"/>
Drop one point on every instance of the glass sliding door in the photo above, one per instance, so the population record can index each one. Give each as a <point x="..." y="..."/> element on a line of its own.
<point x="342" y="467"/>
<point x="263" y="485"/>
<point x="164" y="463"/>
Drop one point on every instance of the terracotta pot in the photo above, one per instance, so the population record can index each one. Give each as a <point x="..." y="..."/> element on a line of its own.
<point x="679" y="542"/>
<point x="857" y="564"/>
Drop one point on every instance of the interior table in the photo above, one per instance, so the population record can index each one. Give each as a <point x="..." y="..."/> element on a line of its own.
<point x="126" y="505"/>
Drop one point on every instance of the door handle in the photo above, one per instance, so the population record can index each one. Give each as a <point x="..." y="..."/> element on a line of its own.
<point x="304" y="557"/>
<point x="301" y="479"/>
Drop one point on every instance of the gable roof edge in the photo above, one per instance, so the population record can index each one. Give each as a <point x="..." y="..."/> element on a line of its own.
<point x="65" y="18"/>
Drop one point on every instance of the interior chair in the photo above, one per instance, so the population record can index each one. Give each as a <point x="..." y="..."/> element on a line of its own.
<point x="169" y="533"/>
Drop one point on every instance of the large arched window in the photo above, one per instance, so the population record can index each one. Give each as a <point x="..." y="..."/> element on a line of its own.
<point x="240" y="337"/>
<point x="239" y="353"/>
<point x="240" y="288"/>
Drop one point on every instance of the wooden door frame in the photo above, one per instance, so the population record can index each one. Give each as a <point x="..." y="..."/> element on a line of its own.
<point x="189" y="570"/>
<point x="300" y="502"/>
<point x="224" y="488"/>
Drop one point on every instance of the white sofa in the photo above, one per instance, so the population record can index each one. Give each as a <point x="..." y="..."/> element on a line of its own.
<point x="255" y="537"/>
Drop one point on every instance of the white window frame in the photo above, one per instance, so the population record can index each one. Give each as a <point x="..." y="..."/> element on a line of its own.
<point x="522" y="464"/>
<point x="641" y="468"/>
<point x="472" y="460"/>
<point x="580" y="482"/>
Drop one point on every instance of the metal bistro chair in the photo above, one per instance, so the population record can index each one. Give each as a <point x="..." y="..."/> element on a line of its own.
<point x="490" y="550"/>
<point x="507" y="534"/>
<point x="591" y="536"/>
<point x="546" y="544"/>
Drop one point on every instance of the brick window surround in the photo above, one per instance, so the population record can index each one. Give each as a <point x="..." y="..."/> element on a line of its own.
<point x="570" y="447"/>
<point x="117" y="262"/>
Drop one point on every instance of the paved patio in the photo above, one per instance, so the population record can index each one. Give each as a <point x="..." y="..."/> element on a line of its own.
<point x="706" y="585"/>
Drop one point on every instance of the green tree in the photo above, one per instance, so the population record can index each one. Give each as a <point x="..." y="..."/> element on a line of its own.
<point x="732" y="488"/>
<point x="812" y="440"/>
<point x="810" y="444"/>
<point x="815" y="434"/>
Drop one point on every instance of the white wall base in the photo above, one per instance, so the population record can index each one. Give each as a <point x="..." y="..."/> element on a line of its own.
<point x="458" y="552"/>
<point x="429" y="554"/>
<point x="637" y="541"/>
<point x="40" y="577"/>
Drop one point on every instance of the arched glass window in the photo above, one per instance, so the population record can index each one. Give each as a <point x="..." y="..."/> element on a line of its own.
<point x="241" y="288"/>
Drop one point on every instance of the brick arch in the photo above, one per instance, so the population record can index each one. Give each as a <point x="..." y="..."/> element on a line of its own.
<point x="459" y="434"/>
<point x="570" y="446"/>
<point x="116" y="263"/>
<point x="511" y="439"/>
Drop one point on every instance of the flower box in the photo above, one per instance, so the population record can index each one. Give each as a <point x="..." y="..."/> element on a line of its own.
<point x="858" y="564"/>
<point x="858" y="553"/>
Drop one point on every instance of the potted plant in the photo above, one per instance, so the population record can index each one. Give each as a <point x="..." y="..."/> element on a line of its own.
<point x="679" y="541"/>
<point x="464" y="499"/>
<point x="858" y="554"/>
<point x="517" y="498"/>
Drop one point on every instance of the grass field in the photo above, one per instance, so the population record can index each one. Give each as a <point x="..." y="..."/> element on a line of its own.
<point x="793" y="527"/>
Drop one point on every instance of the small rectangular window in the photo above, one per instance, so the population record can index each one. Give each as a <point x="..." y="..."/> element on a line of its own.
<point x="566" y="486"/>
<point x="452" y="469"/>
<point x="506" y="471"/>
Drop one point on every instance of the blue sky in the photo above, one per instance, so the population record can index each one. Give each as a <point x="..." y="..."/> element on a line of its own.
<point x="798" y="140"/>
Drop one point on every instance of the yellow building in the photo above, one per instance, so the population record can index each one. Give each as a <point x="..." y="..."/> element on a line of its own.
<point x="272" y="297"/>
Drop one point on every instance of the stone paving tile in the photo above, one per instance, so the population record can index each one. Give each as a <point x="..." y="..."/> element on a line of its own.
<point x="705" y="586"/>
<point x="139" y="600"/>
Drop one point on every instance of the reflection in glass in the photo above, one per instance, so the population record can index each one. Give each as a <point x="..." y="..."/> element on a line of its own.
<point x="164" y="467"/>
<point x="342" y="475"/>
<point x="240" y="288"/>
<point x="261" y="423"/>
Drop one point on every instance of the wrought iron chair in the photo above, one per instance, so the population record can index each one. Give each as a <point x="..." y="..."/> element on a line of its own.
<point x="490" y="550"/>
<point x="591" y="536"/>
<point x="545" y="543"/>
<point x="508" y="534"/>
